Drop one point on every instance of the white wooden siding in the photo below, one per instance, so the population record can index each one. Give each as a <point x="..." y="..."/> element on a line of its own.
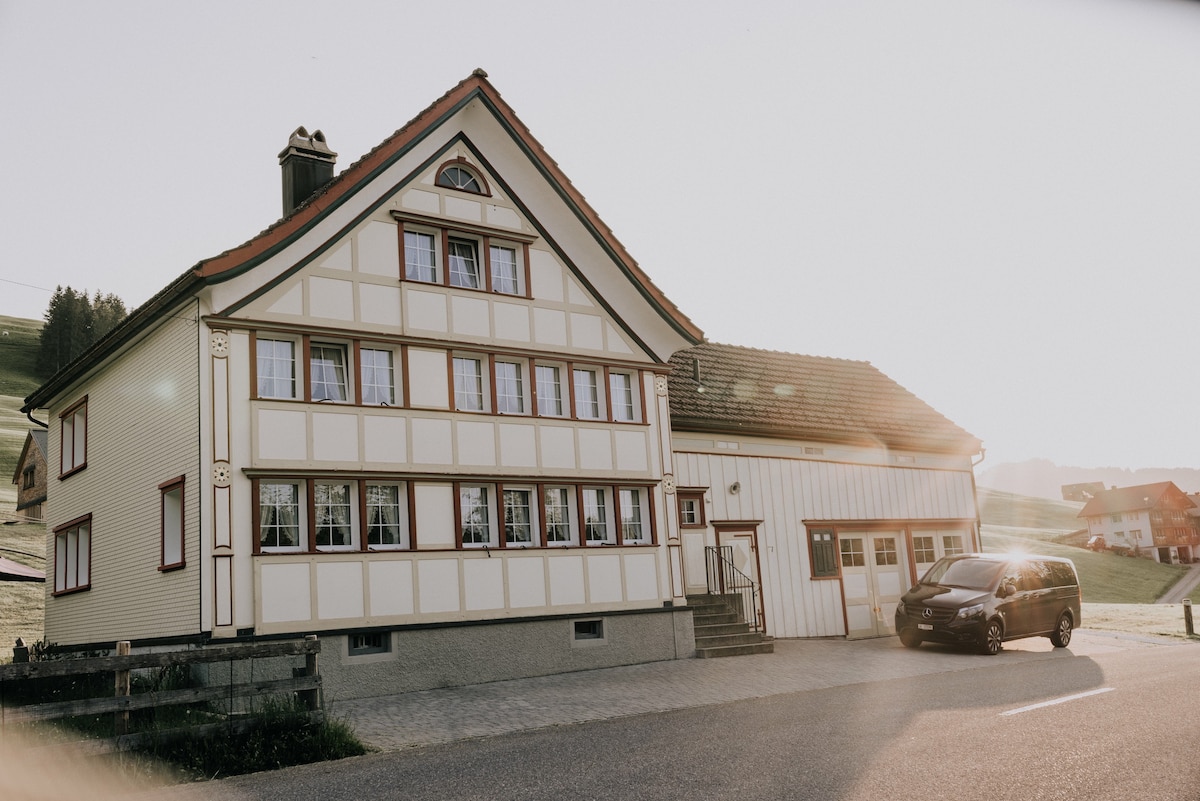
<point x="143" y="429"/>
<point x="783" y="493"/>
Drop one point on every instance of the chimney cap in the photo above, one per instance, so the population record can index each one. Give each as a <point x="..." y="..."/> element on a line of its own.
<point x="313" y="146"/>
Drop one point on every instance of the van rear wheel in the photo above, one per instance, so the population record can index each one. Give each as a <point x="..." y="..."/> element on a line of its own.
<point x="1062" y="632"/>
<point x="992" y="638"/>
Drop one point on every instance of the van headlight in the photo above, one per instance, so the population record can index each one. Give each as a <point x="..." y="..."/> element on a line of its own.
<point x="900" y="608"/>
<point x="969" y="611"/>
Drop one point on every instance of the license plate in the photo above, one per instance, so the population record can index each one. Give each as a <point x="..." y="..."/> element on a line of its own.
<point x="925" y="626"/>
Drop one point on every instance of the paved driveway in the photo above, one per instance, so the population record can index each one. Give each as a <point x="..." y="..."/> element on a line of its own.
<point x="438" y="716"/>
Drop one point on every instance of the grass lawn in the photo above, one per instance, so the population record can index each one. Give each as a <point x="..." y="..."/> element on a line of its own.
<point x="21" y="602"/>
<point x="1104" y="577"/>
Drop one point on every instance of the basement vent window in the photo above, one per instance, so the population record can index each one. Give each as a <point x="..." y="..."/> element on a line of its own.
<point x="810" y="451"/>
<point x="588" y="631"/>
<point x="363" y="644"/>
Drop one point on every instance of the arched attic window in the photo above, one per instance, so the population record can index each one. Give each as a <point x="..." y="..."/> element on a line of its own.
<point x="457" y="175"/>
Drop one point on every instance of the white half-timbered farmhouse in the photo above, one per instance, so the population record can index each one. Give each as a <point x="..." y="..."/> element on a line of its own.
<point x="432" y="416"/>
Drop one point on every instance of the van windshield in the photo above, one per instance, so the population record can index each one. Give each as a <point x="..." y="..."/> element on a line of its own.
<point x="968" y="574"/>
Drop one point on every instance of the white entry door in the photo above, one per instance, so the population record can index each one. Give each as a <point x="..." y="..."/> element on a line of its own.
<point x="874" y="576"/>
<point x="743" y="546"/>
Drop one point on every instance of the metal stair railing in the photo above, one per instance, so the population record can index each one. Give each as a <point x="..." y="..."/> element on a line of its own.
<point x="725" y="579"/>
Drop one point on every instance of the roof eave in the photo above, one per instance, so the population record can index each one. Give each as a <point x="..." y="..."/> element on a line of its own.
<point x="963" y="447"/>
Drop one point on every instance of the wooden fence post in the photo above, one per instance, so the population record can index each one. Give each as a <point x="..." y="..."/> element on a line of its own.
<point x="310" y="669"/>
<point x="121" y="719"/>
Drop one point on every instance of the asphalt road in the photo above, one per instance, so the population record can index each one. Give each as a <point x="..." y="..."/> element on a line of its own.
<point x="1113" y="724"/>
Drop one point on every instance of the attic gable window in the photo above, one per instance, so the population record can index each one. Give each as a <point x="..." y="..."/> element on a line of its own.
<point x="455" y="177"/>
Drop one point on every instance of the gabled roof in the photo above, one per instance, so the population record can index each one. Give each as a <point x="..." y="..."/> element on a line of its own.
<point x="35" y="439"/>
<point x="726" y="388"/>
<point x="1134" y="499"/>
<point x="287" y="230"/>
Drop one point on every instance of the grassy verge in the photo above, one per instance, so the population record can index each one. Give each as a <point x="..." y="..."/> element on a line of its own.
<point x="22" y="602"/>
<point x="1105" y="577"/>
<point x="283" y="736"/>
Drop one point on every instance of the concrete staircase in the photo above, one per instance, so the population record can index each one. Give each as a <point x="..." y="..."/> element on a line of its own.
<point x="722" y="630"/>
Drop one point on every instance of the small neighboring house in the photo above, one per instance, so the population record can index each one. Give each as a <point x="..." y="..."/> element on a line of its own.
<point x="833" y="487"/>
<point x="1151" y="520"/>
<point x="428" y="416"/>
<point x="30" y="476"/>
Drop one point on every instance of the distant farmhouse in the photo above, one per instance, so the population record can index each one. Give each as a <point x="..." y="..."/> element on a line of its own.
<point x="30" y="476"/>
<point x="1156" y="521"/>
<point x="439" y="417"/>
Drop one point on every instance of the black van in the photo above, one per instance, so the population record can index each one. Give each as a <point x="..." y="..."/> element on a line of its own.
<point x="983" y="599"/>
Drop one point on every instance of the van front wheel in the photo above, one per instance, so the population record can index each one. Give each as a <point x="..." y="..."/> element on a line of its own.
<point x="1062" y="632"/>
<point x="992" y="638"/>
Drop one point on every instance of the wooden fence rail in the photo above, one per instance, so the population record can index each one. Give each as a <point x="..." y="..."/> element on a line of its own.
<point x="305" y="682"/>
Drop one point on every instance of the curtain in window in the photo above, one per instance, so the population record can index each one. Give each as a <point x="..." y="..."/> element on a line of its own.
<point x="328" y="367"/>
<point x="332" y="507"/>
<point x="383" y="515"/>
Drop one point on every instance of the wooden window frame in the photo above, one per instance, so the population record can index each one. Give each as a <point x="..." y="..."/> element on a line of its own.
<point x="66" y="529"/>
<point x="78" y="461"/>
<point x="165" y="489"/>
<point x="698" y="497"/>
<point x="832" y="559"/>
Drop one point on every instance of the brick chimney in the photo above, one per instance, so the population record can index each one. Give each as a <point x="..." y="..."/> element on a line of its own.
<point x="307" y="164"/>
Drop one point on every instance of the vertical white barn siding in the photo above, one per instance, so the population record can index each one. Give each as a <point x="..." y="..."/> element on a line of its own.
<point x="783" y="493"/>
<point x="152" y="393"/>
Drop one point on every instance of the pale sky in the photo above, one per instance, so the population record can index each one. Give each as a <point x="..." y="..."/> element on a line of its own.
<point x="995" y="203"/>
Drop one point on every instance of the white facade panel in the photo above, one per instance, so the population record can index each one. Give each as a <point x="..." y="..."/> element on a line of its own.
<point x="586" y="332"/>
<point x="558" y="447"/>
<point x="437" y="582"/>
<point x="331" y="299"/>
<point x="511" y="321"/>
<point x="432" y="441"/>
<point x="385" y="439"/>
<point x="378" y="249"/>
<point x="483" y="584"/>
<point x="285" y="593"/>
<point x="632" y="449"/>
<point x="434" y="522"/>
<point x="429" y="385"/>
<point x="566" y="581"/>
<point x="550" y="327"/>
<point x="339" y="590"/>
<point x="335" y="437"/>
<point x="595" y="449"/>
<point x="282" y="434"/>
<point x="391" y="584"/>
<point x="545" y="276"/>
<point x="526" y="583"/>
<point x="379" y="305"/>
<point x="604" y="579"/>
<point x="518" y="445"/>
<point x="641" y="577"/>
<point x="426" y="311"/>
<point x="471" y="317"/>
<point x="476" y="444"/>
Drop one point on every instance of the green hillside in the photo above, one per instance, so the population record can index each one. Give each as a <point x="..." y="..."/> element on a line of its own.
<point x="1036" y="525"/>
<point x="18" y="378"/>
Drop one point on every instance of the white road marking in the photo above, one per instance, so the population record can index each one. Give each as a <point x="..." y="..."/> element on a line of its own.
<point x="1062" y="700"/>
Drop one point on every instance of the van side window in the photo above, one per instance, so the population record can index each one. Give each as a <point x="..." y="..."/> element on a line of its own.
<point x="1038" y="575"/>
<point x="1063" y="575"/>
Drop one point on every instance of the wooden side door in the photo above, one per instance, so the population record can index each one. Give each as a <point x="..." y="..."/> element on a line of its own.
<point x="874" y="575"/>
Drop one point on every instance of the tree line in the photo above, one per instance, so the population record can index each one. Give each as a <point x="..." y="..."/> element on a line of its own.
<point x="74" y="322"/>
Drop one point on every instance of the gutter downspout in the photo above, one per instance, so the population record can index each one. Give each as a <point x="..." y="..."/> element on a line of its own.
<point x="975" y="490"/>
<point x="29" y="414"/>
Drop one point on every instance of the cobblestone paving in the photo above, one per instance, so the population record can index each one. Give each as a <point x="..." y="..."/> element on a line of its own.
<point x="445" y="715"/>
